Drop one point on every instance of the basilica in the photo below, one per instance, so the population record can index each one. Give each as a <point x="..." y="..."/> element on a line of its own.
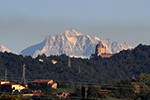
<point x="101" y="50"/>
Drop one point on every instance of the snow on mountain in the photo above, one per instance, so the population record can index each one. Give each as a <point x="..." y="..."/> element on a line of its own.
<point x="4" y="49"/>
<point x="125" y="46"/>
<point x="72" y="43"/>
<point x="114" y="47"/>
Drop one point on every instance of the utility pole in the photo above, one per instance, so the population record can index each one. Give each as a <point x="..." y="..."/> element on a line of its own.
<point x="23" y="75"/>
<point x="6" y="74"/>
<point x="79" y="70"/>
<point x="69" y="63"/>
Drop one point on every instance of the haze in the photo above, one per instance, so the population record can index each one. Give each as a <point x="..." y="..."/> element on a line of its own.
<point x="27" y="22"/>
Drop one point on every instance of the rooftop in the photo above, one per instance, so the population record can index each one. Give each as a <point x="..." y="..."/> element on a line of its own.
<point x="10" y="84"/>
<point x="42" y="80"/>
<point x="3" y="81"/>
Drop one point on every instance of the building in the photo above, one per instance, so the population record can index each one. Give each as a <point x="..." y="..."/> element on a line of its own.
<point x="106" y="55"/>
<point x="24" y="84"/>
<point x="3" y="82"/>
<point x="42" y="83"/>
<point x="101" y="50"/>
<point x="47" y="81"/>
<point x="54" y="62"/>
<point x="12" y="86"/>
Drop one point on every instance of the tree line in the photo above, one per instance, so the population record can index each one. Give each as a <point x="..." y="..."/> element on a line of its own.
<point x="97" y="70"/>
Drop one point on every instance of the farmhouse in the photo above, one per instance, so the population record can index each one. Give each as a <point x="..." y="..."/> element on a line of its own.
<point x="42" y="83"/>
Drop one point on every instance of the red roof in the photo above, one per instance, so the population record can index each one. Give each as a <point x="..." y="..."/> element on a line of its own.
<point x="3" y="81"/>
<point x="37" y="94"/>
<point x="42" y="80"/>
<point x="10" y="84"/>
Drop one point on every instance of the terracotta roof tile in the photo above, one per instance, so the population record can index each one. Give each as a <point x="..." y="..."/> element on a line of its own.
<point x="3" y="81"/>
<point x="42" y="80"/>
<point x="10" y="84"/>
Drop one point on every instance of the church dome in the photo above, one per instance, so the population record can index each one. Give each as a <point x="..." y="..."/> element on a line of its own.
<point x="100" y="49"/>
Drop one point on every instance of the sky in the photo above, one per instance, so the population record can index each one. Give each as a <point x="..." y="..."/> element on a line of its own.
<point x="27" y="22"/>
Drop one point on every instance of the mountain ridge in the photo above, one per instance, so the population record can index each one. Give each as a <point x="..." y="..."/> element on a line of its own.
<point x="72" y="43"/>
<point x="4" y="49"/>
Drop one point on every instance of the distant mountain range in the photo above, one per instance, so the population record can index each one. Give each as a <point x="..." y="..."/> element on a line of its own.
<point x="72" y="43"/>
<point x="4" y="49"/>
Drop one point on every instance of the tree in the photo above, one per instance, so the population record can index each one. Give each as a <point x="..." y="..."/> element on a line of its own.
<point x="78" y="91"/>
<point x="93" y="91"/>
<point x="83" y="92"/>
<point x="48" y="92"/>
<point x="144" y="78"/>
<point x="123" y="89"/>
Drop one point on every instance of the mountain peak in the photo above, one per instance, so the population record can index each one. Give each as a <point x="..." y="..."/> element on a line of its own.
<point x="3" y="49"/>
<point x="70" y="32"/>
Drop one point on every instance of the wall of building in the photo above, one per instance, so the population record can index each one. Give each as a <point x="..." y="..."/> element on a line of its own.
<point x="17" y="87"/>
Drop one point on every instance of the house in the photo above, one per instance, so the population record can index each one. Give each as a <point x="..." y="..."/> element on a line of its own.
<point x="54" y="85"/>
<point x="54" y="62"/>
<point x="42" y="83"/>
<point x="40" y="60"/>
<point x="23" y="84"/>
<point x="3" y="82"/>
<point x="12" y="86"/>
<point x="47" y="81"/>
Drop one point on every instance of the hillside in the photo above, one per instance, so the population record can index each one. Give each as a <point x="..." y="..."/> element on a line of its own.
<point x="126" y="64"/>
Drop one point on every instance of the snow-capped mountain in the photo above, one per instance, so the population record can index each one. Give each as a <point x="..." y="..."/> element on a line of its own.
<point x="72" y="43"/>
<point x="114" y="47"/>
<point x="3" y="49"/>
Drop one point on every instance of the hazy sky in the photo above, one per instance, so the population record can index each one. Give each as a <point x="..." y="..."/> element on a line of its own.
<point x="26" y="22"/>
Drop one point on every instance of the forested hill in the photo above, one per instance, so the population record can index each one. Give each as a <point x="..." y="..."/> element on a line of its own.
<point x="126" y="64"/>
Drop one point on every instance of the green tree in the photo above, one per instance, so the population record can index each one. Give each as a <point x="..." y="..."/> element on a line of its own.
<point x="48" y="92"/>
<point x="78" y="91"/>
<point x="144" y="79"/>
<point x="123" y="89"/>
<point x="93" y="91"/>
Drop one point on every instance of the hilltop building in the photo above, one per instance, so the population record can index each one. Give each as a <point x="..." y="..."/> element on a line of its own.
<point x="54" y="62"/>
<point x="101" y="50"/>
